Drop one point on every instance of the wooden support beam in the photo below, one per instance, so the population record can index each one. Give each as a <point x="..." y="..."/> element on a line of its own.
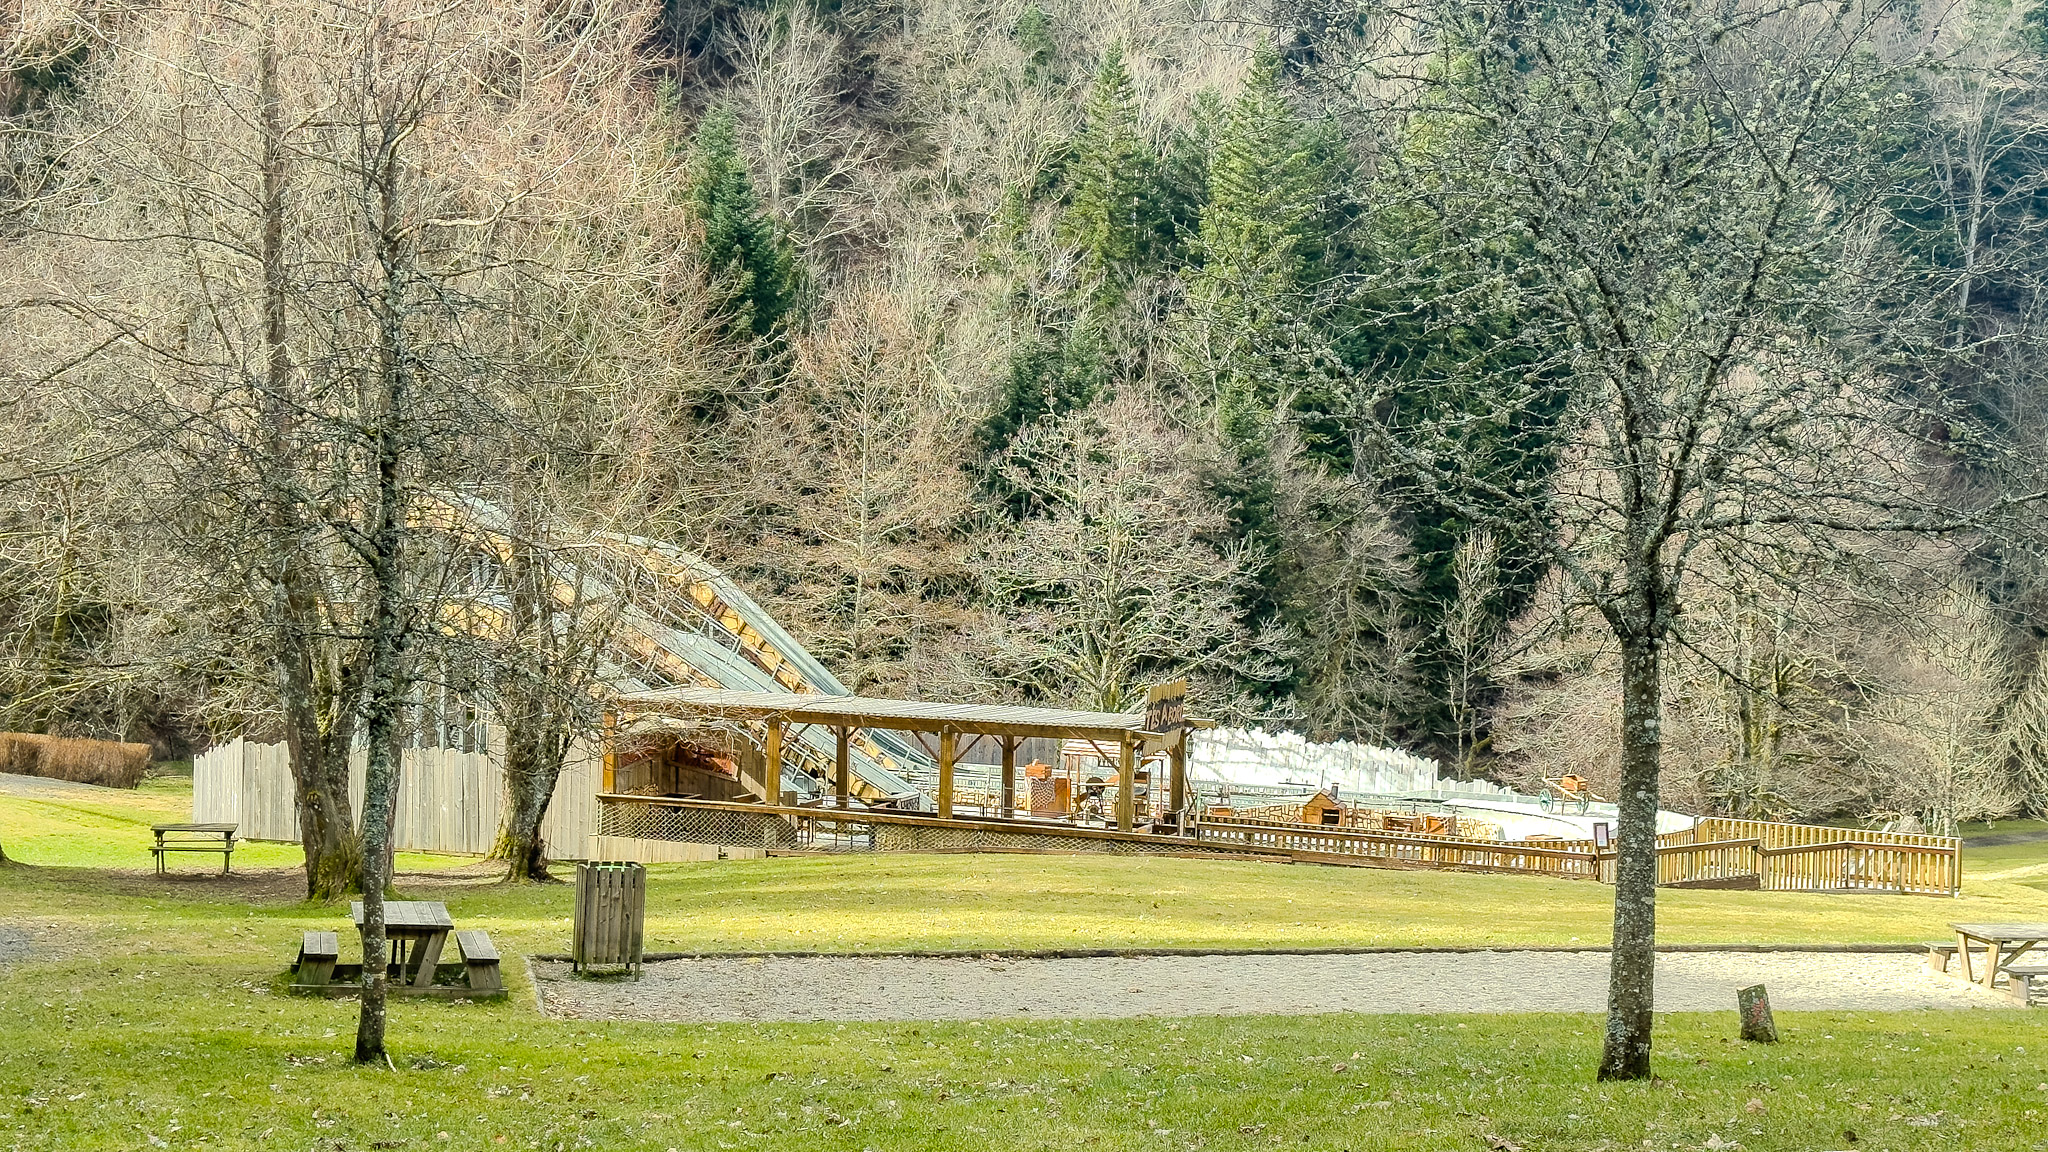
<point x="611" y="745"/>
<point x="1126" y="785"/>
<point x="1178" y="758"/>
<point x="842" y="767"/>
<point x="1009" y="802"/>
<point x="946" y="754"/>
<point x="771" y="771"/>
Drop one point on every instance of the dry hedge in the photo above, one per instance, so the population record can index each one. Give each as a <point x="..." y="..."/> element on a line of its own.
<point x="102" y="762"/>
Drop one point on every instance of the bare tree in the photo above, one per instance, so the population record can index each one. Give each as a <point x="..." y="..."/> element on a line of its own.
<point x="1116" y="584"/>
<point x="1684" y="209"/>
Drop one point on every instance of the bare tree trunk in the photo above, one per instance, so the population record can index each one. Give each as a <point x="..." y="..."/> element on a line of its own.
<point x="389" y="681"/>
<point x="319" y="762"/>
<point x="319" y="751"/>
<point x="1631" y="979"/>
<point x="530" y="775"/>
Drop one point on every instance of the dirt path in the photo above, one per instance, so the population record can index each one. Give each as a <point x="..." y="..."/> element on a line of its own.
<point x="914" y="988"/>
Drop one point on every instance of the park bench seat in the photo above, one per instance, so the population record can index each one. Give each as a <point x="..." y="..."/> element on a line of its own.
<point x="317" y="955"/>
<point x="2021" y="980"/>
<point x="480" y="960"/>
<point x="1939" y="955"/>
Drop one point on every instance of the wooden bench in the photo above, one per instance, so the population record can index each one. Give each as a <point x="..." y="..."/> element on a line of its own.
<point x="194" y="838"/>
<point x="2021" y="980"/>
<point x="317" y="955"/>
<point x="480" y="960"/>
<point x="1938" y="957"/>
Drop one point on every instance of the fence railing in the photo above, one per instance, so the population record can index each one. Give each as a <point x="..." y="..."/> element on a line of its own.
<point x="1859" y="865"/>
<point x="1834" y="865"/>
<point x="1404" y="847"/>
<point x="1716" y="861"/>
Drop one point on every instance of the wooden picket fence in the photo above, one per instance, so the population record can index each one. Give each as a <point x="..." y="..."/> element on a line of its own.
<point x="448" y="801"/>
<point x="1716" y="852"/>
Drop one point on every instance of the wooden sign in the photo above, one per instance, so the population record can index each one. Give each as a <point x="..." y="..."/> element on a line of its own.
<point x="1166" y="715"/>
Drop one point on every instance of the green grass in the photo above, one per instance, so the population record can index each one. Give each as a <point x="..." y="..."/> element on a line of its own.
<point x="203" y="1052"/>
<point x="158" y="1013"/>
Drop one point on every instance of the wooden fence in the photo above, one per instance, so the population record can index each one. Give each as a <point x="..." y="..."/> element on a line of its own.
<point x="1405" y="847"/>
<point x="448" y="801"/>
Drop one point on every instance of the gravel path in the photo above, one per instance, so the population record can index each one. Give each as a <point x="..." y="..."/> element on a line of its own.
<point x="913" y="988"/>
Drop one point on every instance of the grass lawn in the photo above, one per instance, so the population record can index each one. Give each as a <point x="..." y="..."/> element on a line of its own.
<point x="153" y="1016"/>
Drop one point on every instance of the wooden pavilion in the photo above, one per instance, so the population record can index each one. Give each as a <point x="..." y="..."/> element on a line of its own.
<point x="773" y="714"/>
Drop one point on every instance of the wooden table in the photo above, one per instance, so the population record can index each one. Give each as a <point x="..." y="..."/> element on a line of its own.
<point x="194" y="838"/>
<point x="415" y="931"/>
<point x="2000" y="943"/>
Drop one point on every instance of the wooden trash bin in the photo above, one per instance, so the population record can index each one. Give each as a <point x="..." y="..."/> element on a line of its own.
<point x="611" y="915"/>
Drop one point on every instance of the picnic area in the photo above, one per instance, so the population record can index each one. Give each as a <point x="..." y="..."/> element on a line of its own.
<point x="133" y="1006"/>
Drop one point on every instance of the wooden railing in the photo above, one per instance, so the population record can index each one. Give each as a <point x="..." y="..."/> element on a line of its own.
<point x="1404" y="847"/>
<point x="1862" y="865"/>
<point x="1715" y="861"/>
<point x="1837" y="863"/>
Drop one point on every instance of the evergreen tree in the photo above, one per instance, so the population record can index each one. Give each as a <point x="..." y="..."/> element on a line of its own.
<point x="753" y="270"/>
<point x="1112" y="213"/>
<point x="1250" y="297"/>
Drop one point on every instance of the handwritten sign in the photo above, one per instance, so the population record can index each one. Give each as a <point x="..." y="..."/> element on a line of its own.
<point x="1166" y="715"/>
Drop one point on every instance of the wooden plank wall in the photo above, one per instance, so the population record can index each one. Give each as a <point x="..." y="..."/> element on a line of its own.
<point x="448" y="800"/>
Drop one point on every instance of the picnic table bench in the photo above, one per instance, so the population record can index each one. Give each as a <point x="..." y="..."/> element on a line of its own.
<point x="194" y="838"/>
<point x="416" y="932"/>
<point x="1998" y="945"/>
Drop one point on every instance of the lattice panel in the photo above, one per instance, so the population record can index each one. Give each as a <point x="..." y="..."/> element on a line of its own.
<point x="694" y="826"/>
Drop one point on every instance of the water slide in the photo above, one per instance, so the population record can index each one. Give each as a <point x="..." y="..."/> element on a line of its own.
<point x="683" y="623"/>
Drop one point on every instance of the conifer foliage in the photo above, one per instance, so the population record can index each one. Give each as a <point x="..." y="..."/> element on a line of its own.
<point x="753" y="270"/>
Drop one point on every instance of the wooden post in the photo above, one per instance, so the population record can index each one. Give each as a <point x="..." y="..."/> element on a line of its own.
<point x="1178" y="761"/>
<point x="946" y="774"/>
<point x="1754" y="1005"/>
<point x="771" y="771"/>
<point x="1009" y="802"/>
<point x="611" y="744"/>
<point x="842" y="768"/>
<point x="1126" y="785"/>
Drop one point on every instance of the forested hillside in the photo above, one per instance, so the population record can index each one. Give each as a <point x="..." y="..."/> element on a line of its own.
<point x="1436" y="376"/>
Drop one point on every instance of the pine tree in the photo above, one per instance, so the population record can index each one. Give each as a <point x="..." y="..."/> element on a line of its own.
<point x="1111" y="215"/>
<point x="753" y="271"/>
<point x="1249" y="297"/>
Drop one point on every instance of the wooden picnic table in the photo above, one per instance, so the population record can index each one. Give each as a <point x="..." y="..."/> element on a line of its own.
<point x="415" y="931"/>
<point x="2000" y="943"/>
<point x="194" y="838"/>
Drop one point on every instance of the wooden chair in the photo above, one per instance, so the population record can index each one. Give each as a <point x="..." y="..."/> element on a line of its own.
<point x="480" y="959"/>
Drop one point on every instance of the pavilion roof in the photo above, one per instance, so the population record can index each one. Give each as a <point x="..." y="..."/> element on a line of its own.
<point x="871" y="712"/>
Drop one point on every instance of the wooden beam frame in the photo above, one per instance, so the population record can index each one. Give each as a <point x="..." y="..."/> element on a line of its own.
<point x="1178" y="766"/>
<point x="842" y="766"/>
<point x="946" y="756"/>
<point x="1009" y="800"/>
<point x="1127" y="784"/>
<point x="771" y="768"/>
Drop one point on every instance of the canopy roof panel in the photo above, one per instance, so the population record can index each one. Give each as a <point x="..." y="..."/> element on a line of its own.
<point x="869" y="712"/>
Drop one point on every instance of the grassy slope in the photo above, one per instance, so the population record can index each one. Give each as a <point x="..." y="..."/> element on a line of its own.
<point x="160" y="1016"/>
